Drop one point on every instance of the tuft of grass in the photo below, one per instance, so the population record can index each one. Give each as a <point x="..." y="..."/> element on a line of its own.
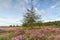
<point x="8" y="37"/>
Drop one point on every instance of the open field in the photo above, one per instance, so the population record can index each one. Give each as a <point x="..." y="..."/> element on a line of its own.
<point x="6" y="33"/>
<point x="7" y="30"/>
<point x="16" y="33"/>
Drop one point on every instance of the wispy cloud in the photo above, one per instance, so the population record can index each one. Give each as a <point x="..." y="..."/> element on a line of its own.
<point x="36" y="3"/>
<point x="5" y="4"/>
<point x="8" y="21"/>
<point x="40" y="12"/>
<point x="55" y="5"/>
<point x="27" y="1"/>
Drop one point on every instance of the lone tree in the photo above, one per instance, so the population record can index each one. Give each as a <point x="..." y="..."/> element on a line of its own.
<point x="30" y="17"/>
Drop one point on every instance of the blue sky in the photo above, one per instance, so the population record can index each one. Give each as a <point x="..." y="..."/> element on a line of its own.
<point x="12" y="11"/>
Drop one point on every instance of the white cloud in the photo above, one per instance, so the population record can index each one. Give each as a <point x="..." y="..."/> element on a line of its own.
<point x="27" y="1"/>
<point x="51" y="20"/>
<point x="22" y="7"/>
<point x="8" y="21"/>
<point x="40" y="12"/>
<point x="36" y="3"/>
<point x="54" y="6"/>
<point x="5" y="4"/>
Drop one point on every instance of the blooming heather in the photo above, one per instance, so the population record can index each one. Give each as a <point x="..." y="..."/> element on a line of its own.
<point x="45" y="32"/>
<point x="21" y="37"/>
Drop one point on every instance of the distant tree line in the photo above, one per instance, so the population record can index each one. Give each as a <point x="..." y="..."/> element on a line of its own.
<point x="14" y="26"/>
<point x="54" y="23"/>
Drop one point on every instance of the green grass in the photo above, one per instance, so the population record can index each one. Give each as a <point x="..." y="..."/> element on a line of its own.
<point x="9" y="37"/>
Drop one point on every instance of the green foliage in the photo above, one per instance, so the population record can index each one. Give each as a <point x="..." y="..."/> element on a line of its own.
<point x="54" y="23"/>
<point x="8" y="37"/>
<point x="30" y="18"/>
